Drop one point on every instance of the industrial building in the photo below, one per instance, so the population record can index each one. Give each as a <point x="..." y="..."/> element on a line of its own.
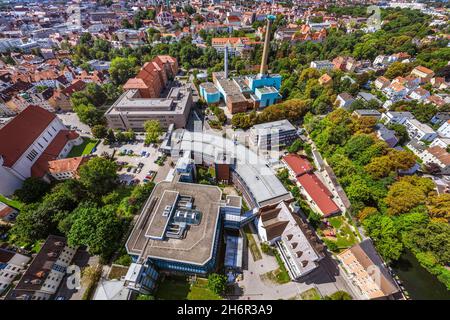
<point x="244" y="92"/>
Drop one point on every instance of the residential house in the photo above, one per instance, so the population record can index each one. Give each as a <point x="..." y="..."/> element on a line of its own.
<point x="344" y="100"/>
<point x="61" y="97"/>
<point x="297" y="165"/>
<point x="322" y="65"/>
<point x="381" y="83"/>
<point x="44" y="276"/>
<point x="439" y="156"/>
<point x="386" y="135"/>
<point x="325" y="80"/>
<point x="317" y="194"/>
<point x="419" y="131"/>
<point x="367" y="113"/>
<point x="423" y="73"/>
<point x="63" y="169"/>
<point x="236" y="45"/>
<point x="7" y="213"/>
<point x="419" y="94"/>
<point x="12" y="265"/>
<point x="444" y="129"/>
<point x="396" y="117"/>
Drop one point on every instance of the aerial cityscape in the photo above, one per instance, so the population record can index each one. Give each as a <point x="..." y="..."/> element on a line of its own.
<point x="224" y="150"/>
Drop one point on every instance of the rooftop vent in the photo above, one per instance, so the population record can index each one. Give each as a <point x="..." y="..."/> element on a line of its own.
<point x="294" y="245"/>
<point x="167" y="210"/>
<point x="59" y="243"/>
<point x="299" y="254"/>
<point x="305" y="263"/>
<point x="52" y="254"/>
<point x="289" y="236"/>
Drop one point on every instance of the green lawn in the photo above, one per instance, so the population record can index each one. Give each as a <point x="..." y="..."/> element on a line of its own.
<point x="178" y="288"/>
<point x="345" y="235"/>
<point x="256" y="254"/>
<point x="12" y="203"/>
<point x="83" y="149"/>
<point x="311" y="294"/>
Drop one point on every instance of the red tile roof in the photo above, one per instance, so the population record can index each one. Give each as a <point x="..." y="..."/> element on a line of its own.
<point x="19" y="133"/>
<point x="298" y="164"/>
<point x="319" y="193"/>
<point x="41" y="166"/>
<point x="5" y="210"/>
<point x="66" y="165"/>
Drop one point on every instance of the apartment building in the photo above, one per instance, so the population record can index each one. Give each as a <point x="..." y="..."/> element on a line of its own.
<point x="44" y="276"/>
<point x="419" y="131"/>
<point x="12" y="265"/>
<point x="367" y="272"/>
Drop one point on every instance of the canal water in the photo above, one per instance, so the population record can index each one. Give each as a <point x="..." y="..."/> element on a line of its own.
<point x="420" y="284"/>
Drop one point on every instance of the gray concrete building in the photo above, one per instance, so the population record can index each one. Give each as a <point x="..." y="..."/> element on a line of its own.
<point x="131" y="111"/>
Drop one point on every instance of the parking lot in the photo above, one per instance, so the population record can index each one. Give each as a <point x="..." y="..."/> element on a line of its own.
<point x="137" y="160"/>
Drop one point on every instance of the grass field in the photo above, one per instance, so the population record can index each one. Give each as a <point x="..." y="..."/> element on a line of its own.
<point x="178" y="288"/>
<point x="256" y="254"/>
<point x="345" y="236"/>
<point x="83" y="149"/>
<point x="12" y="203"/>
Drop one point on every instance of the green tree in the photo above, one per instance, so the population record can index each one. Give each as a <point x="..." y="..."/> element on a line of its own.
<point x="407" y="193"/>
<point x="339" y="295"/>
<point x="33" y="189"/>
<point x="122" y="69"/>
<point x="217" y="283"/>
<point x="99" y="175"/>
<point x="89" y="114"/>
<point x="98" y="228"/>
<point x="153" y="131"/>
<point x="99" y="131"/>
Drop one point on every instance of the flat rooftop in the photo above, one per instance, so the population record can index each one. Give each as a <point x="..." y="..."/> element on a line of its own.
<point x="259" y="178"/>
<point x="197" y="245"/>
<point x="282" y="125"/>
<point x="131" y="102"/>
<point x="161" y="216"/>
<point x="209" y="87"/>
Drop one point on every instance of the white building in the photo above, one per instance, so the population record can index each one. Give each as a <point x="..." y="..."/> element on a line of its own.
<point x="11" y="266"/>
<point x="439" y="156"/>
<point x="28" y="142"/>
<point x="271" y="135"/>
<point x="298" y="245"/>
<point x="44" y="276"/>
<point x="322" y="65"/>
<point x="419" y="131"/>
<point x="399" y="117"/>
<point x="444" y="129"/>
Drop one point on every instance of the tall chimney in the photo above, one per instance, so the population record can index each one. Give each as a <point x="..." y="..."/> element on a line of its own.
<point x="265" y="55"/>
<point x="225" y="62"/>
